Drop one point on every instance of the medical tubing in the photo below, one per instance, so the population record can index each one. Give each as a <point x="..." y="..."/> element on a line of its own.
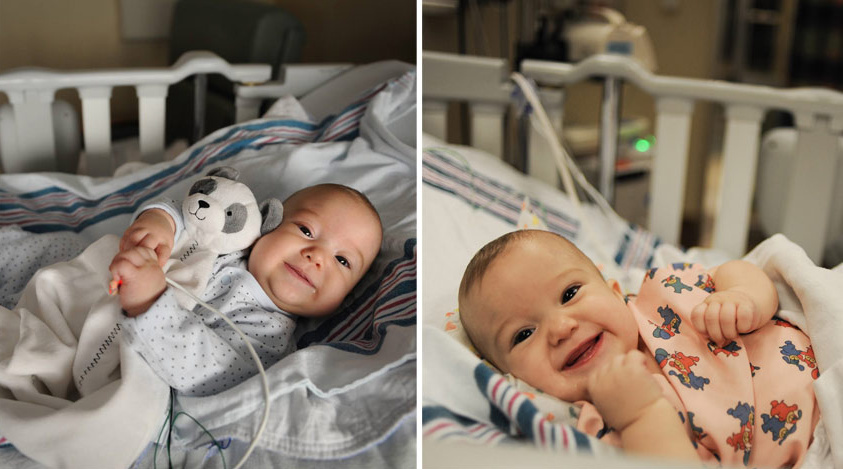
<point x="565" y="164"/>
<point x="258" y="363"/>
<point x="544" y="121"/>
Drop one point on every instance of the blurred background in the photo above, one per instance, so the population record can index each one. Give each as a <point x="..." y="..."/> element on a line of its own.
<point x="783" y="43"/>
<point x="97" y="34"/>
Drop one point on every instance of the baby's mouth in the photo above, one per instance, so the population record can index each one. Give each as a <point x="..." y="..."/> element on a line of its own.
<point x="583" y="353"/>
<point x="296" y="272"/>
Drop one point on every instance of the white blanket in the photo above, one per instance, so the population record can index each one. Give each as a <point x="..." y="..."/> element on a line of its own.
<point x="812" y="298"/>
<point x="62" y="367"/>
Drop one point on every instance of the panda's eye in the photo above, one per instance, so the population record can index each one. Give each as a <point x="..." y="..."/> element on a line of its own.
<point x="305" y="231"/>
<point x="228" y="213"/>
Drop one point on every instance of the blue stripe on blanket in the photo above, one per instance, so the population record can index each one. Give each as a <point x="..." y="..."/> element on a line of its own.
<point x="383" y="302"/>
<point x="439" y="423"/>
<point x="442" y="172"/>
<point x="512" y="406"/>
<point x="636" y="248"/>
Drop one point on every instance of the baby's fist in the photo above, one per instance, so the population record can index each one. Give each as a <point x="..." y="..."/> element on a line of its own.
<point x="724" y="315"/>
<point x="140" y="277"/>
<point x="622" y="388"/>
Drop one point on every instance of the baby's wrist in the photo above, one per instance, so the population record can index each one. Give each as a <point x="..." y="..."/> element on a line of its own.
<point x="655" y="410"/>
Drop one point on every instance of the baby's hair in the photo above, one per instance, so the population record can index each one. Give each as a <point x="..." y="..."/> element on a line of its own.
<point x="481" y="261"/>
<point x="361" y="197"/>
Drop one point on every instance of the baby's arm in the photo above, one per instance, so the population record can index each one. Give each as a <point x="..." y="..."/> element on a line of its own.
<point x="198" y="356"/>
<point x="630" y="401"/>
<point x="744" y="300"/>
<point x="140" y="277"/>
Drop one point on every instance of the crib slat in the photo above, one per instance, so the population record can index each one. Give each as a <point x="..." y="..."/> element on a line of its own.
<point x="487" y="127"/>
<point x="809" y="193"/>
<point x="246" y="109"/>
<point x="36" y="146"/>
<point x="435" y="118"/>
<point x="151" y="109"/>
<point x="96" y="122"/>
<point x="740" y="159"/>
<point x="667" y="182"/>
<point x="540" y="162"/>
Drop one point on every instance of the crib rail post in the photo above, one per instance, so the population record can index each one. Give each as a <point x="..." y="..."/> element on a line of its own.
<point x="96" y="120"/>
<point x="667" y="182"/>
<point x="809" y="192"/>
<point x="740" y="160"/>
<point x="487" y="127"/>
<point x="151" y="109"/>
<point x="610" y="113"/>
<point x="35" y="149"/>
<point x="540" y="162"/>
<point x="435" y="118"/>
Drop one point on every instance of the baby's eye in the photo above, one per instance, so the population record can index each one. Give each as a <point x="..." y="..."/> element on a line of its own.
<point x="569" y="294"/>
<point x="344" y="262"/>
<point x="306" y="231"/>
<point x="521" y="336"/>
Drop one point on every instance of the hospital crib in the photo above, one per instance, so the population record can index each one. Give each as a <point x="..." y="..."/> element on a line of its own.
<point x="38" y="133"/>
<point x="807" y="215"/>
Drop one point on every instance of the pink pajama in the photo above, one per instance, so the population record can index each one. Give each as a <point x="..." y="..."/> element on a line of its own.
<point x="749" y="402"/>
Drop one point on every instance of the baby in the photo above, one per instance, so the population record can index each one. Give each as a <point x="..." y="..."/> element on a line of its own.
<point x="679" y="371"/>
<point x="329" y="236"/>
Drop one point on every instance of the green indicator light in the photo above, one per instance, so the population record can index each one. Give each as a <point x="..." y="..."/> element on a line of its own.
<point x="642" y="145"/>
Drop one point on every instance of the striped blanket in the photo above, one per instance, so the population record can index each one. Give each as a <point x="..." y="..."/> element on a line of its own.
<point x="356" y="368"/>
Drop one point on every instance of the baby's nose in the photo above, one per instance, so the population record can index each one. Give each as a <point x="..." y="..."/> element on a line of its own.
<point x="314" y="256"/>
<point x="560" y="328"/>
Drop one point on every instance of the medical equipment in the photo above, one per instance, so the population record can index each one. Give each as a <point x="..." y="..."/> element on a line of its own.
<point x="817" y="123"/>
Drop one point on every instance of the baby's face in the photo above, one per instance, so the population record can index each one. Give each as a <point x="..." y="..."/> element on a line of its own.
<point x="544" y="313"/>
<point x="325" y="243"/>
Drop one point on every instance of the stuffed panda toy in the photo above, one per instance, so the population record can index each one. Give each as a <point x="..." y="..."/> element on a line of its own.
<point x="221" y="216"/>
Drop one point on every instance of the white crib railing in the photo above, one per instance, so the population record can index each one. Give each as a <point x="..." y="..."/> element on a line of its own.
<point x="818" y="114"/>
<point x="31" y="93"/>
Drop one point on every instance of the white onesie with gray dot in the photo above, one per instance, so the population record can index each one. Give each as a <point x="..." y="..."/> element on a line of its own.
<point x="198" y="353"/>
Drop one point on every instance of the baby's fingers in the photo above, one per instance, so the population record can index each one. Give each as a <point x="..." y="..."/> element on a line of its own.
<point x="745" y="317"/>
<point x="706" y="319"/>
<point x="163" y="252"/>
<point x="728" y="322"/>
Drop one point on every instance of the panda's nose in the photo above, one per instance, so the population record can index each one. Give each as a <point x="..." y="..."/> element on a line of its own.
<point x="203" y="204"/>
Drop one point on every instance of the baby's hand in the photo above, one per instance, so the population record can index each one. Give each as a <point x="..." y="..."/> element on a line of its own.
<point x="724" y="315"/>
<point x="141" y="279"/>
<point x="623" y="389"/>
<point x="153" y="229"/>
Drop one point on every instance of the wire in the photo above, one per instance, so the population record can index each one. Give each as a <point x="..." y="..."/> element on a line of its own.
<point x="565" y="165"/>
<point x="264" y="380"/>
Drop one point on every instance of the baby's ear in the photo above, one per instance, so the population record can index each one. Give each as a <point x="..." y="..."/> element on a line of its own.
<point x="615" y="286"/>
<point x="272" y="212"/>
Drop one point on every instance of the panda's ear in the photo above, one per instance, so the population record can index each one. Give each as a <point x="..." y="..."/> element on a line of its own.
<point x="272" y="211"/>
<point x="225" y="172"/>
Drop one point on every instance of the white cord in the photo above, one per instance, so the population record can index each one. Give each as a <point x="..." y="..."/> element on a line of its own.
<point x="254" y="354"/>
<point x="565" y="165"/>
